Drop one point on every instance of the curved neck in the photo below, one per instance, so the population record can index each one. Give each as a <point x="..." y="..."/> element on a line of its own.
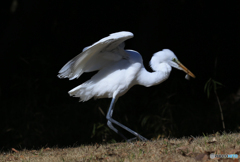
<point x="148" y="79"/>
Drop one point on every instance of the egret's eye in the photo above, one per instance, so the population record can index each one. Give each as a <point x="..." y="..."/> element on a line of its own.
<point x="174" y="60"/>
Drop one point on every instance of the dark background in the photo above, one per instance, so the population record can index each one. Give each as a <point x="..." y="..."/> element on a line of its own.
<point x="38" y="37"/>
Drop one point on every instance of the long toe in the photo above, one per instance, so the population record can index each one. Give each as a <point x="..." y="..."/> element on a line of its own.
<point x="132" y="139"/>
<point x="143" y="138"/>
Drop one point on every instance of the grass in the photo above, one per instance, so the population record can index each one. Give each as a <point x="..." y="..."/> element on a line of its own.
<point x="181" y="150"/>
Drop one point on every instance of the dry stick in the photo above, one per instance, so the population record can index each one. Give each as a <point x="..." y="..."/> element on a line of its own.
<point x="220" y="107"/>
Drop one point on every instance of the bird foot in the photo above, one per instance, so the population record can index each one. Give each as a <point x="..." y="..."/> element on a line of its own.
<point x="132" y="139"/>
<point x="138" y="137"/>
<point x="143" y="138"/>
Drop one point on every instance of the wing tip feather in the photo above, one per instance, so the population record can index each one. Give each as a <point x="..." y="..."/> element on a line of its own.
<point x="123" y="34"/>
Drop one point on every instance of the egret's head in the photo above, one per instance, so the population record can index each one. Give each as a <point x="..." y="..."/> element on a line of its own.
<point x="167" y="56"/>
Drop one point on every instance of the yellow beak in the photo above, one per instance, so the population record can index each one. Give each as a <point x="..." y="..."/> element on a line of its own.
<point x="185" y="69"/>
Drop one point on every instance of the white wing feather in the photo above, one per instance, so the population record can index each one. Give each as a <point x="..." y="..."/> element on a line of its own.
<point x="96" y="56"/>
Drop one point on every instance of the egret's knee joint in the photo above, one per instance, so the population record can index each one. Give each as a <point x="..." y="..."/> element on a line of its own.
<point x="109" y="124"/>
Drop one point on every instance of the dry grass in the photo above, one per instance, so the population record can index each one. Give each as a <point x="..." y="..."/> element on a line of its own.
<point x="185" y="149"/>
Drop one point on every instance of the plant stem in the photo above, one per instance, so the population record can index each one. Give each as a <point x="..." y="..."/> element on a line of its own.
<point x="220" y="107"/>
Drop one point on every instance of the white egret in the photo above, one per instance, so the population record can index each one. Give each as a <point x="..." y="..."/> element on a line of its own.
<point x="118" y="71"/>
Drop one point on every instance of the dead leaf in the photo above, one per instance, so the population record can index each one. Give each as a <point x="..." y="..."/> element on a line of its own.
<point x="21" y="156"/>
<point x="234" y="151"/>
<point x="10" y="158"/>
<point x="164" y="145"/>
<point x="190" y="140"/>
<point x="228" y="160"/>
<point x="233" y="147"/>
<point x="201" y="157"/>
<point x="171" y="143"/>
<point x="14" y="150"/>
<point x="108" y="148"/>
<point x="201" y="149"/>
<point x="33" y="156"/>
<point x="212" y="141"/>
<point x="34" y="152"/>
<point x="183" y="150"/>
<point x="47" y="149"/>
<point x="124" y="154"/>
<point x="97" y="146"/>
<point x="64" y="153"/>
<point x="100" y="159"/>
<point x="208" y="152"/>
<point x="189" y="153"/>
<point x="219" y="152"/>
<point x="137" y="144"/>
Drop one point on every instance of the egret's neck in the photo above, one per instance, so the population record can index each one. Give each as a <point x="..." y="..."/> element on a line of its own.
<point x="148" y="79"/>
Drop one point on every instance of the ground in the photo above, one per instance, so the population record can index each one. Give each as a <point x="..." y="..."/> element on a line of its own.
<point x="161" y="149"/>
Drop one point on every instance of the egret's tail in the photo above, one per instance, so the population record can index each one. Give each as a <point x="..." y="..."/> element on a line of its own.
<point x="82" y="91"/>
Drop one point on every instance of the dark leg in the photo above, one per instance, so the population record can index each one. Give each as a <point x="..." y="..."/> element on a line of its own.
<point x="110" y="112"/>
<point x="111" y="120"/>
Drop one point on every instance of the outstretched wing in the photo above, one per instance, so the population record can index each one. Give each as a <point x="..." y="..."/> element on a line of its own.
<point x="96" y="56"/>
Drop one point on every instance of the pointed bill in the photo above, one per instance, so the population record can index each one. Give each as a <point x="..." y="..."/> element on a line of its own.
<point x="185" y="69"/>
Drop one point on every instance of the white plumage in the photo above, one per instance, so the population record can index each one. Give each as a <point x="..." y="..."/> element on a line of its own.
<point x="118" y="70"/>
<point x="96" y="56"/>
<point x="116" y="76"/>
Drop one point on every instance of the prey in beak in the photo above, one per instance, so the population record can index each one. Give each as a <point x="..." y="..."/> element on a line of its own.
<point x="189" y="73"/>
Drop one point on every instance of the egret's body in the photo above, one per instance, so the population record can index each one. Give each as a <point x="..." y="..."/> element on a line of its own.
<point x="112" y="81"/>
<point x="119" y="70"/>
